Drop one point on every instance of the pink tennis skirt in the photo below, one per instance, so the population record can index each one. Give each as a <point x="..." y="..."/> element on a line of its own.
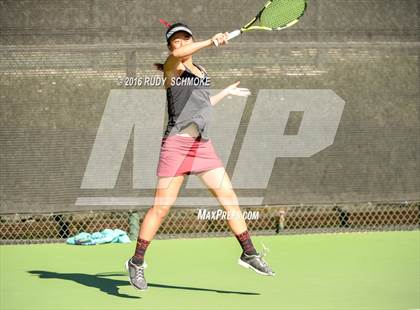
<point x="180" y="155"/>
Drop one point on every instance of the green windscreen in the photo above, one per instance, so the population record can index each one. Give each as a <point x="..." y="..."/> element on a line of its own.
<point x="282" y="12"/>
<point x="60" y="61"/>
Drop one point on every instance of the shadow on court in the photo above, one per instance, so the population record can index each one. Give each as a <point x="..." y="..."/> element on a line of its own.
<point x="110" y="286"/>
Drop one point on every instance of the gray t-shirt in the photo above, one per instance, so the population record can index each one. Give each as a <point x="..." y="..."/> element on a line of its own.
<point x="188" y="101"/>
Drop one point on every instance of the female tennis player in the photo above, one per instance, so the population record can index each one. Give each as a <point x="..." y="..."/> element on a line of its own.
<point x="187" y="149"/>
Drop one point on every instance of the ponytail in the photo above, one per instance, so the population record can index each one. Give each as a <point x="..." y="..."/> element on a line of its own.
<point x="158" y="66"/>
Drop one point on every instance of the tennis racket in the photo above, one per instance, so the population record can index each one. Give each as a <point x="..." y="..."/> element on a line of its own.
<point x="275" y="15"/>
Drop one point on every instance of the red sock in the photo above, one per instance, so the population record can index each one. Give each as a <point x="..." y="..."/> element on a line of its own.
<point x="141" y="247"/>
<point x="246" y="243"/>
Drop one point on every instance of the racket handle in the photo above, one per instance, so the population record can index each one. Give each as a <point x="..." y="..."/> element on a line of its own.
<point x="234" y="34"/>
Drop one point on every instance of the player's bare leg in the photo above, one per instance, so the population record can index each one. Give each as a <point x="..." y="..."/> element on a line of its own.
<point x="166" y="192"/>
<point x="220" y="185"/>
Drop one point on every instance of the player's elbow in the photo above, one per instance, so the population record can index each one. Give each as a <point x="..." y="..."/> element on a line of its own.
<point x="177" y="54"/>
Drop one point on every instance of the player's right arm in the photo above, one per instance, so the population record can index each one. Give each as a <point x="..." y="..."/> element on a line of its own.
<point x="189" y="49"/>
<point x="171" y="68"/>
<point x="173" y="65"/>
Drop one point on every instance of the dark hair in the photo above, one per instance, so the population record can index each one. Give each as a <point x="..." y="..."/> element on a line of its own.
<point x="159" y="66"/>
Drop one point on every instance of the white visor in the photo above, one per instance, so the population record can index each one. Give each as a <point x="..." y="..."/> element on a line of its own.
<point x="177" y="29"/>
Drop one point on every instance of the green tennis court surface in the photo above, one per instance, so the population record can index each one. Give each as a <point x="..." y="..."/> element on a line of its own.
<point x="376" y="270"/>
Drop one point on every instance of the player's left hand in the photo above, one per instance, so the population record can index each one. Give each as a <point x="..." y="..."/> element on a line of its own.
<point x="234" y="90"/>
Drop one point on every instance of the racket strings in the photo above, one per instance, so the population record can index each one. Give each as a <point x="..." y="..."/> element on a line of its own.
<point x="282" y="12"/>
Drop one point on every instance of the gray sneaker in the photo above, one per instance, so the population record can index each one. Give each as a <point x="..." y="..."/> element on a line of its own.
<point x="136" y="275"/>
<point x="256" y="263"/>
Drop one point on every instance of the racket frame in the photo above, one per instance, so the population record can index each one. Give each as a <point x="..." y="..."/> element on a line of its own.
<point x="248" y="26"/>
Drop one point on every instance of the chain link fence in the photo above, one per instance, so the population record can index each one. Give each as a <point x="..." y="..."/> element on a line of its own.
<point x="185" y="222"/>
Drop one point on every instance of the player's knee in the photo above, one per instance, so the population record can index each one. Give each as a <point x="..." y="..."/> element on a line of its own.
<point x="228" y="198"/>
<point x="161" y="210"/>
